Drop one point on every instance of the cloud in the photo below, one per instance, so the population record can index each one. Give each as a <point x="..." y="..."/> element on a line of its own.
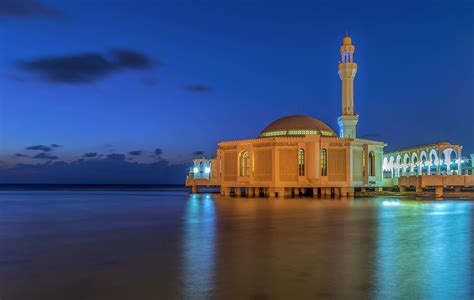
<point x="107" y="170"/>
<point x="136" y="153"/>
<point x="198" y="88"/>
<point x="85" y="67"/>
<point x="116" y="157"/>
<point x="158" y="152"/>
<point x="39" y="148"/>
<point x="20" y="155"/>
<point x="131" y="59"/>
<point x="44" y="155"/>
<point x="150" y="81"/>
<point x="27" y="8"/>
<point x="198" y="153"/>
<point x="89" y="154"/>
<point x="55" y="146"/>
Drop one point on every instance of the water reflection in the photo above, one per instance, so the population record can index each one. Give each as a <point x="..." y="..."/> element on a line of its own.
<point x="423" y="250"/>
<point x="174" y="246"/>
<point x="313" y="248"/>
<point x="198" y="247"/>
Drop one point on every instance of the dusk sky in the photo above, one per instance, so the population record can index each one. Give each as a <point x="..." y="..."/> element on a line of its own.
<point x="120" y="91"/>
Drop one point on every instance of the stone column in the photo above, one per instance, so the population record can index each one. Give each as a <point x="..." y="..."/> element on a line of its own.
<point x="225" y="191"/>
<point x="351" y="192"/>
<point x="347" y="192"/>
<point x="439" y="191"/>
<point x="238" y="191"/>
<point x="315" y="192"/>
<point x="280" y="192"/>
<point x="250" y="192"/>
<point x="194" y="189"/>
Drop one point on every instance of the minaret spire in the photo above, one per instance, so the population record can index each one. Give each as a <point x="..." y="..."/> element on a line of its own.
<point x="347" y="70"/>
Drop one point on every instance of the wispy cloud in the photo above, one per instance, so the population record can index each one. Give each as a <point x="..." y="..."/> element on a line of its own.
<point x="110" y="169"/>
<point x="39" y="148"/>
<point x="44" y="155"/>
<point x="198" y="88"/>
<point x="86" y="67"/>
<point x="27" y="8"/>
<point x="136" y="153"/>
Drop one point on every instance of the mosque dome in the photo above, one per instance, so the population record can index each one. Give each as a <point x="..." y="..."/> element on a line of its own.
<point x="347" y="40"/>
<point x="297" y="125"/>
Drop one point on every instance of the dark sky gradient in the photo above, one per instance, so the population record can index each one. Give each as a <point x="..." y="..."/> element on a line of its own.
<point x="128" y="77"/>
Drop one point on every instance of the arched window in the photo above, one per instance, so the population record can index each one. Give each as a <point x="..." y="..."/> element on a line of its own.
<point x="363" y="162"/>
<point x="371" y="163"/>
<point x="244" y="161"/>
<point x="301" y="162"/>
<point x="324" y="162"/>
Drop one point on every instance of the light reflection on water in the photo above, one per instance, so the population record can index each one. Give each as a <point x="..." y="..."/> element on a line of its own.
<point x="161" y="245"/>
<point x="423" y="250"/>
<point x="198" y="247"/>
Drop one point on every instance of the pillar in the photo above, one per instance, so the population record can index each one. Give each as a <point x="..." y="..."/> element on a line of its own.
<point x="418" y="189"/>
<point x="325" y="192"/>
<point x="271" y="192"/>
<point x="302" y="192"/>
<point x="280" y="192"/>
<point x="238" y="191"/>
<point x="403" y="189"/>
<point x="379" y="189"/>
<point x="351" y="192"/>
<point x="439" y="191"/>
<point x="347" y="192"/>
<point x="288" y="192"/>
<point x="225" y="191"/>
<point x="457" y="189"/>
<point x="315" y="192"/>
<point x="250" y="192"/>
<point x="362" y="190"/>
<point x="194" y="189"/>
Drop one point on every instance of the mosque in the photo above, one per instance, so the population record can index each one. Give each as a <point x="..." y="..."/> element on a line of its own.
<point x="301" y="155"/>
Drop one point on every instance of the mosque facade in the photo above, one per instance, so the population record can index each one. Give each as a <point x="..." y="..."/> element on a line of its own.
<point x="301" y="155"/>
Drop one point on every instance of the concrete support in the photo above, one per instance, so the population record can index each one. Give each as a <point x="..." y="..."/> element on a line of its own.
<point x="238" y="191"/>
<point x="302" y="192"/>
<point x="250" y="192"/>
<point x="337" y="192"/>
<point x="315" y="192"/>
<point x="194" y="189"/>
<point x="457" y="189"/>
<point x="379" y="189"/>
<point x="279" y="192"/>
<point x="225" y="191"/>
<point x="271" y="192"/>
<point x="362" y="190"/>
<point x="288" y="192"/>
<point x="325" y="192"/>
<point x="439" y="191"/>
<point x="418" y="189"/>
<point x="347" y="192"/>
<point x="403" y="189"/>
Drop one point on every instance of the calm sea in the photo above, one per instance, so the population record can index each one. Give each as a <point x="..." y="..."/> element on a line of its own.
<point x="167" y="244"/>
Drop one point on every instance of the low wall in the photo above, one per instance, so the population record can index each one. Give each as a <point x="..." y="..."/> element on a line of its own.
<point x="436" y="180"/>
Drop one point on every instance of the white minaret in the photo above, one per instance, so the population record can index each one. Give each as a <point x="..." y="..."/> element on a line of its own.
<point x="347" y="70"/>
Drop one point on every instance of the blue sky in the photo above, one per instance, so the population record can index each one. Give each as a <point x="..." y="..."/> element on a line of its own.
<point x="219" y="70"/>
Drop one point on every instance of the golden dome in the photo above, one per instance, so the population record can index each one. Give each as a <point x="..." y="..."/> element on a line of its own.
<point x="347" y="40"/>
<point x="297" y="125"/>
